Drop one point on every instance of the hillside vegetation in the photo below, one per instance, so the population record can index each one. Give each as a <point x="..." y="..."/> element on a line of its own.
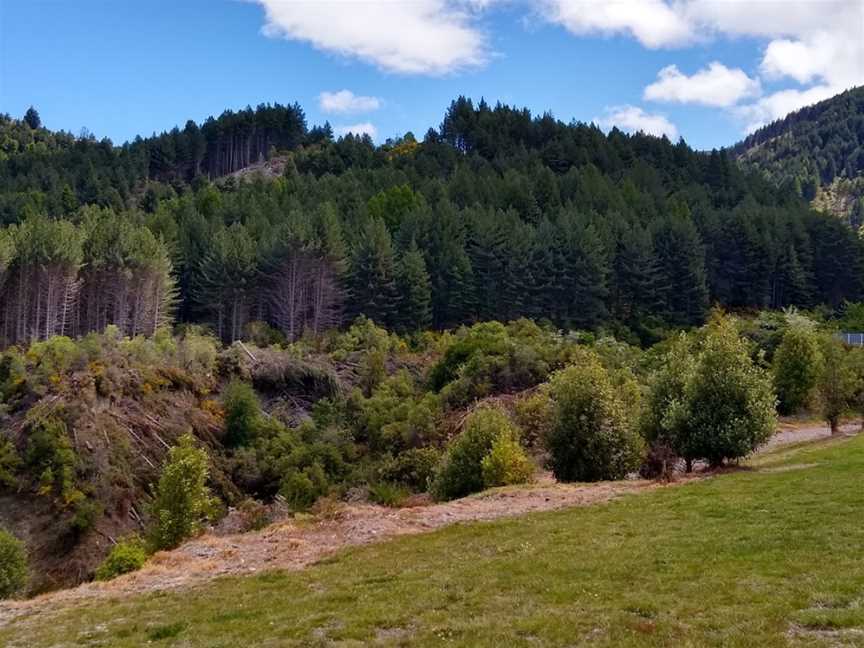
<point x="818" y="152"/>
<point x="737" y="560"/>
<point x="497" y="214"/>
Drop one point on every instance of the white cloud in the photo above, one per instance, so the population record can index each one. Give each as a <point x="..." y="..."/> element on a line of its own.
<point x="363" y="128"/>
<point x="411" y="37"/>
<point x="652" y="22"/>
<point x="816" y="43"/>
<point x="779" y="104"/>
<point x="715" y="85"/>
<point x="345" y="101"/>
<point x="634" y="119"/>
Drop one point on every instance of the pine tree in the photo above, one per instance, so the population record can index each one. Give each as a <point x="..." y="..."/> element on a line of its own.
<point x="32" y="119"/>
<point x="415" y="303"/>
<point x="373" y="274"/>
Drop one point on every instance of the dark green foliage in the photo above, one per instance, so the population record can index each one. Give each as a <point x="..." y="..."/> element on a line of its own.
<point x="242" y="413"/>
<point x="413" y="468"/>
<point x="812" y="147"/>
<point x="710" y="400"/>
<point x="591" y="436"/>
<point x="126" y="556"/>
<point x="512" y="216"/>
<point x="13" y="565"/>
<point x="415" y="291"/>
<point x="32" y="119"/>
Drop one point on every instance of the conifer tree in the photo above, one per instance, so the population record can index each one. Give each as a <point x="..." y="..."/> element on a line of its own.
<point x="415" y="303"/>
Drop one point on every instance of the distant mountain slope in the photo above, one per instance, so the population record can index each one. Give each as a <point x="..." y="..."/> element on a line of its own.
<point x="819" y="150"/>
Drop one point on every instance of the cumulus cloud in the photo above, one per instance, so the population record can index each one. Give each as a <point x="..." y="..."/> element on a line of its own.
<point x="417" y="37"/>
<point x="715" y="85"/>
<point x="634" y="119"/>
<point x="819" y="43"/>
<point x="652" y="22"/>
<point x="779" y="104"/>
<point x="363" y="128"/>
<point x="345" y="101"/>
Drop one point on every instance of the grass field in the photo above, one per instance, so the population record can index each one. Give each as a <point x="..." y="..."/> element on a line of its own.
<point x="769" y="556"/>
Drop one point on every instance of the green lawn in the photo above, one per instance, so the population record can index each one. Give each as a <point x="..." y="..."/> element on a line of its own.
<point x="766" y="557"/>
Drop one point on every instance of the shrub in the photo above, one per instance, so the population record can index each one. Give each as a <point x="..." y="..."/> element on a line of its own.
<point x="797" y="367"/>
<point x="590" y="437"/>
<point x="712" y="402"/>
<point x="50" y="453"/>
<point x="302" y="487"/>
<point x="126" y="556"/>
<point x="461" y="471"/>
<point x="388" y="494"/>
<point x="533" y="414"/>
<point x="491" y="357"/>
<point x="413" y="468"/>
<point x="9" y="464"/>
<point x="182" y="501"/>
<point x="242" y="412"/>
<point x="253" y="515"/>
<point x="506" y="464"/>
<point x="13" y="565"/>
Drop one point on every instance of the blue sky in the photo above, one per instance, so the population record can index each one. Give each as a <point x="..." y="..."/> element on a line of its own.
<point x="121" y="68"/>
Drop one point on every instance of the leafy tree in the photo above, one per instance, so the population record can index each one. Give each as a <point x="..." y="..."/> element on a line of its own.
<point x="716" y="406"/>
<point x="182" y="500"/>
<point x="798" y="364"/>
<point x="590" y="437"/>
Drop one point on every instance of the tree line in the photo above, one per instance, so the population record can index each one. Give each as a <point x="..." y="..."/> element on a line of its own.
<point x="496" y="214"/>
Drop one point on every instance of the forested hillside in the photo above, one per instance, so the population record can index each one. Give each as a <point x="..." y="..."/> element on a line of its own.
<point x="495" y="214"/>
<point x="818" y="152"/>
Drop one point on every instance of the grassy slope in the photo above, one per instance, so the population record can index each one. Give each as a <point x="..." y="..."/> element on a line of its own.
<point x="737" y="560"/>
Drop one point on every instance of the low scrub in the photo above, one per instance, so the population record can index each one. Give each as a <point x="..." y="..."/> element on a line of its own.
<point x="126" y="556"/>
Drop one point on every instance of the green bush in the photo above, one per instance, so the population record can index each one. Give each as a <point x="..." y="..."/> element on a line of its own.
<point x="10" y="461"/>
<point x="302" y="487"/>
<point x="506" y="464"/>
<point x="182" y="500"/>
<point x="50" y="454"/>
<point x="126" y="556"/>
<point x="242" y="413"/>
<point x="461" y="470"/>
<point x="590" y="437"/>
<point x="710" y="401"/>
<point x="534" y="414"/>
<point x="413" y="468"/>
<point x="13" y="565"/>
<point x="492" y="358"/>
<point x="797" y="367"/>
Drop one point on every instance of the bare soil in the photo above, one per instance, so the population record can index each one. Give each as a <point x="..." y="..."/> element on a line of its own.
<point x="296" y="543"/>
